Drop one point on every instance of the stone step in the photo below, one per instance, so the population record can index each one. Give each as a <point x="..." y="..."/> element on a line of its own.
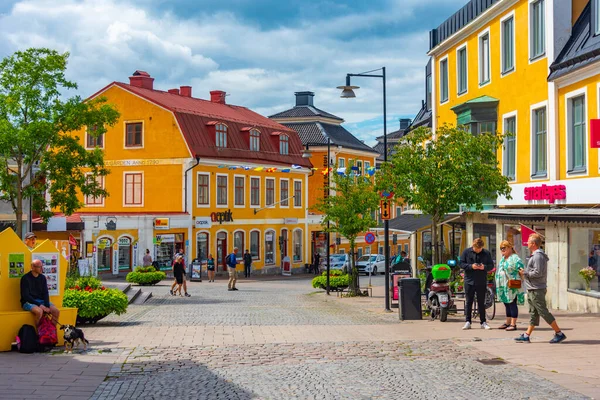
<point x="122" y="286"/>
<point x="142" y="298"/>
<point x="133" y="293"/>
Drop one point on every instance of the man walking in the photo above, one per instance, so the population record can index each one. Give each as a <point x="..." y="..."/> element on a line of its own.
<point x="476" y="262"/>
<point x="247" y="263"/>
<point x="316" y="262"/>
<point x="535" y="276"/>
<point x="231" y="261"/>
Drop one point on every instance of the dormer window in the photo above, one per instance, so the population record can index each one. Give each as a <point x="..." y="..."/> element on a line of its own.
<point x="254" y="140"/>
<point x="221" y="135"/>
<point x="284" y="144"/>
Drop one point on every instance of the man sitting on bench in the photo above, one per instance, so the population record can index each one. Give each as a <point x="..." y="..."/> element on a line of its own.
<point x="34" y="293"/>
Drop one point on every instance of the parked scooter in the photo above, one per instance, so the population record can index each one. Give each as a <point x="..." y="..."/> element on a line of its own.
<point x="439" y="298"/>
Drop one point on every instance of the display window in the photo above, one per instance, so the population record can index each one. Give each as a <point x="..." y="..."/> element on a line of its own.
<point x="166" y="246"/>
<point x="584" y="258"/>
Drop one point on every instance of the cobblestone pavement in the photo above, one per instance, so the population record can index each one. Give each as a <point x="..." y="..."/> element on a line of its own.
<point x="362" y="367"/>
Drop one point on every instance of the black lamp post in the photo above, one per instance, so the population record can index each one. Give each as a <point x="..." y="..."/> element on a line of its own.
<point x="307" y="154"/>
<point x="348" y="93"/>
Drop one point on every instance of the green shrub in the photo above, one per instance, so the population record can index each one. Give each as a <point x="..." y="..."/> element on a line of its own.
<point x="337" y="281"/>
<point x="92" y="303"/>
<point x="143" y="277"/>
<point x="333" y="272"/>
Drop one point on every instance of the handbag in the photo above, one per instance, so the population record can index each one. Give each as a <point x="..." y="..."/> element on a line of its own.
<point x="514" y="284"/>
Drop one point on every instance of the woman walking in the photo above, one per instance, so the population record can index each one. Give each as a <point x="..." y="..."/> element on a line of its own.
<point x="508" y="284"/>
<point x="210" y="268"/>
<point x="178" y="270"/>
<point x="147" y="259"/>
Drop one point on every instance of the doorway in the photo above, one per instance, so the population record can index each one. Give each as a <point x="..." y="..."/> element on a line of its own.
<point x="105" y="255"/>
<point x="221" y="250"/>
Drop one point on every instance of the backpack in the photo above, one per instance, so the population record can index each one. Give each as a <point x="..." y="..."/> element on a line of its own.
<point x="228" y="261"/>
<point x="27" y="339"/>
<point x="47" y="332"/>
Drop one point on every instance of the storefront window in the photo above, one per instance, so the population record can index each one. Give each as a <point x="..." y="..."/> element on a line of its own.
<point x="297" y="238"/>
<point x="124" y="253"/>
<point x="426" y="246"/>
<point x="166" y="246"/>
<point x="270" y="247"/>
<point x="238" y="241"/>
<point x="104" y="255"/>
<point x="202" y="246"/>
<point x="584" y="251"/>
<point x="487" y="233"/>
<point x="255" y="244"/>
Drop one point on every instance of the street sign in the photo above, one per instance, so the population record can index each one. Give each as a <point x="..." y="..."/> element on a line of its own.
<point x="384" y="206"/>
<point x="370" y="238"/>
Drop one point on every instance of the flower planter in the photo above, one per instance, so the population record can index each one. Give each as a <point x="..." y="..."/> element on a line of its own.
<point x="93" y="320"/>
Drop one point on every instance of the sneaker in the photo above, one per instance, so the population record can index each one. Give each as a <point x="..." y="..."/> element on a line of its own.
<point x="467" y="326"/>
<point x="188" y="295"/>
<point x="485" y="326"/>
<point x="230" y="290"/>
<point x="558" y="337"/>
<point x="234" y="288"/>
<point x="171" y="293"/>
<point x="523" y="338"/>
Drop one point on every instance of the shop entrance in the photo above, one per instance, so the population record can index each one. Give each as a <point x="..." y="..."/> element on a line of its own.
<point x="105" y="254"/>
<point x="125" y="254"/>
<point x="221" y="250"/>
<point x="166" y="245"/>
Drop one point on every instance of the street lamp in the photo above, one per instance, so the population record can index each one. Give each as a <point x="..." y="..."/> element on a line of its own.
<point x="348" y="93"/>
<point x="308" y="154"/>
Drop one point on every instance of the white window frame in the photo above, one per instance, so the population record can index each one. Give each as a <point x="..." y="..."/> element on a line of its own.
<point x="274" y="193"/>
<point x="88" y="147"/>
<point x="275" y="242"/>
<point x="458" y="65"/>
<point x="250" y="243"/>
<point x="442" y="60"/>
<point x="242" y="248"/>
<point x="197" y="190"/>
<point x="367" y="166"/>
<point x="359" y="165"/>
<point x="133" y="121"/>
<point x="568" y="122"/>
<point x="284" y="145"/>
<point x="125" y="189"/>
<point x="283" y="201"/>
<point x="102" y="184"/>
<point x="532" y="109"/>
<point x="259" y="190"/>
<point x="541" y="56"/>
<point x="226" y="205"/>
<point x="294" y="245"/>
<point x="480" y="57"/>
<point x="226" y="135"/>
<point x="243" y="205"/>
<point x="250" y="137"/>
<point x="341" y="160"/>
<point x="514" y="51"/>
<point x="512" y="114"/>
<point x="208" y="244"/>
<point x="294" y="189"/>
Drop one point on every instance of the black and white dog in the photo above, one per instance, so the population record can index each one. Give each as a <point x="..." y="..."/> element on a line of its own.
<point x="73" y="336"/>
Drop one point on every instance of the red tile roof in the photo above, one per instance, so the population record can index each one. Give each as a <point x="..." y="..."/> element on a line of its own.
<point x="196" y="115"/>
<point x="73" y="218"/>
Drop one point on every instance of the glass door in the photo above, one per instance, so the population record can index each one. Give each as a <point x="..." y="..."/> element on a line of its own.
<point x="221" y="250"/>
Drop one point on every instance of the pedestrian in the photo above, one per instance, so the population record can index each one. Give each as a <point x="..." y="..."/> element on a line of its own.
<point x="247" y="263"/>
<point x="592" y="261"/>
<point x="178" y="270"/>
<point x="147" y="259"/>
<point x="30" y="240"/>
<point x="231" y="261"/>
<point x="181" y="253"/>
<point x="316" y="262"/>
<point x="508" y="284"/>
<point x="535" y="277"/>
<point x="476" y="262"/>
<point x="210" y="268"/>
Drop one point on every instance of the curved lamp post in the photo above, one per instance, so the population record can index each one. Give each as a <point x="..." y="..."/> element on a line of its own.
<point x="348" y="93"/>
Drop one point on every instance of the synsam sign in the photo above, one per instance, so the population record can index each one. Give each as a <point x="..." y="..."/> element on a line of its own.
<point x="546" y="192"/>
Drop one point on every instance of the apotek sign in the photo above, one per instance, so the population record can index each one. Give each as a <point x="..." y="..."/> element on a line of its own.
<point x="551" y="193"/>
<point x="221" y="217"/>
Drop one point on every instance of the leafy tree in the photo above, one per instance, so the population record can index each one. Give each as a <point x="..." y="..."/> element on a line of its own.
<point x="353" y="199"/>
<point x="39" y="154"/>
<point x="438" y="174"/>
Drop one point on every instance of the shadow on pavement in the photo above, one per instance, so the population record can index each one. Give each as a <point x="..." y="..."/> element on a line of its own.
<point x="581" y="341"/>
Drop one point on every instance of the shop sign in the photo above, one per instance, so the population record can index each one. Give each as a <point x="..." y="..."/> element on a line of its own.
<point x="268" y="237"/>
<point x="546" y="192"/>
<point x="124" y="241"/>
<point x="103" y="243"/>
<point x="203" y="222"/>
<point x="170" y="238"/>
<point x="290" y="221"/>
<point x="595" y="133"/>
<point x="221" y="217"/>
<point x="161" y="223"/>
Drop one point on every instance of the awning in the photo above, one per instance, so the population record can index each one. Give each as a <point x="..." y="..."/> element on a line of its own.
<point x="74" y="223"/>
<point x="410" y="222"/>
<point x="578" y="215"/>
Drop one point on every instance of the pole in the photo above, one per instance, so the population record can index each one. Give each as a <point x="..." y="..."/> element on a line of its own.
<point x="328" y="194"/>
<point x="386" y="224"/>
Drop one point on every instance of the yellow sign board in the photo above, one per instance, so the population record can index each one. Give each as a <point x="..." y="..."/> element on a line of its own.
<point x="161" y="223"/>
<point x="385" y="211"/>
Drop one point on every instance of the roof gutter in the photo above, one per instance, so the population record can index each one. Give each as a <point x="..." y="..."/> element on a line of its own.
<point x="185" y="180"/>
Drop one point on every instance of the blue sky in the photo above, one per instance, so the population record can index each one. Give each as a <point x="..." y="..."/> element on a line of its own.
<point x="260" y="52"/>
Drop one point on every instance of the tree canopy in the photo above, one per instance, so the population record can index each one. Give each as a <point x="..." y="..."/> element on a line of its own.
<point x="40" y="156"/>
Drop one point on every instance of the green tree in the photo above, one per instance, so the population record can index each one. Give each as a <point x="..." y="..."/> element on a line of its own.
<point x="353" y="199"/>
<point x="438" y="174"/>
<point x="39" y="154"/>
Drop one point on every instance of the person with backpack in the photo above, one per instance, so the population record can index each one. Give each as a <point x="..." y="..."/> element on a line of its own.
<point x="247" y="263"/>
<point x="34" y="293"/>
<point x="231" y="261"/>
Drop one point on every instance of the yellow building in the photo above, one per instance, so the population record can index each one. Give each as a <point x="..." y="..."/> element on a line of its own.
<point x="198" y="175"/>
<point x="530" y="68"/>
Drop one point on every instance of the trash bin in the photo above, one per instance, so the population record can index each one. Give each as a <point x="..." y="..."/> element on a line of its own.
<point x="409" y="295"/>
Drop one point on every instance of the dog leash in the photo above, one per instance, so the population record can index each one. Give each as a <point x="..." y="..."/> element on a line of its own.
<point x="54" y="320"/>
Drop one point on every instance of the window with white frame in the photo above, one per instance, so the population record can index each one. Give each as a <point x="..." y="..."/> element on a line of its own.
<point x="93" y="139"/>
<point x="341" y="163"/>
<point x="359" y="252"/>
<point x="133" y="134"/>
<point x="221" y="135"/>
<point x="255" y="244"/>
<point x="221" y="190"/>
<point x="297" y="193"/>
<point x="508" y="44"/>
<point x="269" y="192"/>
<point x="284" y="144"/>
<point x="539" y="142"/>
<point x="203" y="189"/>
<point x="269" y="247"/>
<point x="202" y="244"/>
<point x="255" y="192"/>
<point x="93" y="200"/>
<point x="537" y="29"/>
<point x="510" y="147"/>
<point x="577" y="134"/>
<point x="367" y="165"/>
<point x="238" y="241"/>
<point x="444" y="80"/>
<point x="134" y="189"/>
<point x="484" y="58"/>
<point x="284" y="192"/>
<point x="297" y="245"/>
<point x="239" y="186"/>
<point x="359" y="165"/>
<point x="254" y="140"/>
<point x="461" y="66"/>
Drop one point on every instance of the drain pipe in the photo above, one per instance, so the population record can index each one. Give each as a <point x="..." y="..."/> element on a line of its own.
<point x="186" y="184"/>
